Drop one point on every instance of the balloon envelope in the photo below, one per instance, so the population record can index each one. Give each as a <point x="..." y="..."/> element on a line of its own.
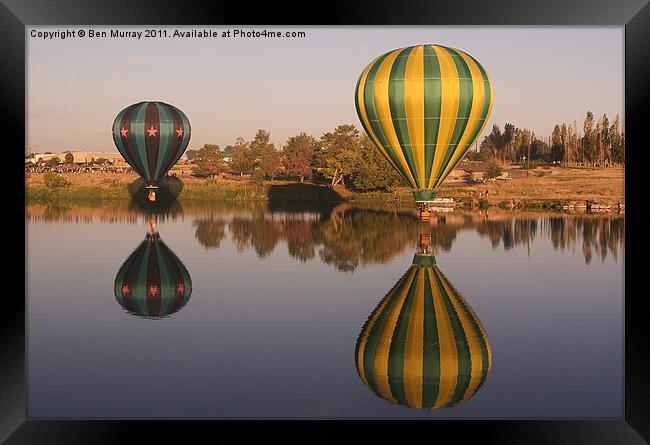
<point x="423" y="107"/>
<point x="152" y="282"/>
<point x="423" y="346"/>
<point x="151" y="136"/>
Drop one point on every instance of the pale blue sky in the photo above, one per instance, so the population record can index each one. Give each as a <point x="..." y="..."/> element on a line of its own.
<point x="232" y="87"/>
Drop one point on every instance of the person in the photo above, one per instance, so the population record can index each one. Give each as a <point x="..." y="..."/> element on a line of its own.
<point x="486" y="193"/>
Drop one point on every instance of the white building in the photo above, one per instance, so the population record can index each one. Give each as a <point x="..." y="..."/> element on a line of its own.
<point x="82" y="156"/>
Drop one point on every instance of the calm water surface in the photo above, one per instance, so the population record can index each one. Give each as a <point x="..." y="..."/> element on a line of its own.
<point x="247" y="311"/>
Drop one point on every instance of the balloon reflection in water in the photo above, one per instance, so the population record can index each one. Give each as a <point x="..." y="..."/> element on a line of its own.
<point x="152" y="282"/>
<point x="423" y="346"/>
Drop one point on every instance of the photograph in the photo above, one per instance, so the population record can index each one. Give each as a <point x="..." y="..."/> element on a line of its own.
<point x="331" y="223"/>
<point x="379" y="228"/>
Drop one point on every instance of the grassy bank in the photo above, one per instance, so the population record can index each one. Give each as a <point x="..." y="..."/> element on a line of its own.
<point x="545" y="188"/>
<point x="42" y="194"/>
<point x="203" y="191"/>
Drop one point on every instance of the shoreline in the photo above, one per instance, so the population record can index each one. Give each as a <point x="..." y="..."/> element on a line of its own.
<point x="561" y="189"/>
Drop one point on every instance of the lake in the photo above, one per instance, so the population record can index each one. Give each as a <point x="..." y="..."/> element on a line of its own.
<point x="253" y="310"/>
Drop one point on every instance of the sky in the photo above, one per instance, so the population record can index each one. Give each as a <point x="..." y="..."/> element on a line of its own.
<point x="231" y="87"/>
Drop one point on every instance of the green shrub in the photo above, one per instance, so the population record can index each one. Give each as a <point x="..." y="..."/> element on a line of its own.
<point x="54" y="180"/>
<point x="258" y="176"/>
<point x="492" y="170"/>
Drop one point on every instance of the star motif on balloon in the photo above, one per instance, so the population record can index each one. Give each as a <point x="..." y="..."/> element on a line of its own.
<point x="153" y="290"/>
<point x="180" y="288"/>
<point x="152" y="131"/>
<point x="124" y="132"/>
<point x="179" y="132"/>
<point x="125" y="289"/>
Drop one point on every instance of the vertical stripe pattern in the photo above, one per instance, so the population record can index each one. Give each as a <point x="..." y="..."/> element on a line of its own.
<point x="423" y="346"/>
<point x="423" y="107"/>
<point x="151" y="136"/>
<point x="152" y="282"/>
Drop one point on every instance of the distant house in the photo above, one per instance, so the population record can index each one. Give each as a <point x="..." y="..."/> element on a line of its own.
<point x="227" y="154"/>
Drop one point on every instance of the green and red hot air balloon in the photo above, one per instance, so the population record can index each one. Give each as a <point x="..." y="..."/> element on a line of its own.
<point x="151" y="136"/>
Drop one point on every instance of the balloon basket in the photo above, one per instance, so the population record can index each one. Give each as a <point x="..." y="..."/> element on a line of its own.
<point x="151" y="196"/>
<point x="425" y="214"/>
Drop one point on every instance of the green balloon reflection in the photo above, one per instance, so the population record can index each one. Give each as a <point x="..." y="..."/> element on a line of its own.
<point x="152" y="282"/>
<point x="423" y="346"/>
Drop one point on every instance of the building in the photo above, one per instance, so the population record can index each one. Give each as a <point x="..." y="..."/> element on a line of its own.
<point x="82" y="156"/>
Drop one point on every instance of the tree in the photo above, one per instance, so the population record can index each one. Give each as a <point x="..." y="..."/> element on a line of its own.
<point x="557" y="147"/>
<point x="617" y="149"/>
<point x="209" y="161"/>
<point x="54" y="180"/>
<point x="622" y="159"/>
<point x="227" y="152"/>
<point x="537" y="149"/>
<point x="485" y="150"/>
<point x="589" y="138"/>
<point x="373" y="171"/>
<point x="270" y="161"/>
<point x="242" y="158"/>
<point x="191" y="154"/>
<point x="53" y="162"/>
<point x="259" y="144"/>
<point x="102" y="161"/>
<point x="69" y="158"/>
<point x="572" y="148"/>
<point x="605" y="141"/>
<point x="500" y="143"/>
<point x="298" y="154"/>
<point x="521" y="144"/>
<point x="564" y="142"/>
<point x="337" y="153"/>
<point x="495" y="138"/>
<point x="506" y="140"/>
<point x="492" y="170"/>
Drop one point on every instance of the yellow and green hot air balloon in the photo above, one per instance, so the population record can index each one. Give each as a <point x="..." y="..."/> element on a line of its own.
<point x="423" y="346"/>
<point x="423" y="107"/>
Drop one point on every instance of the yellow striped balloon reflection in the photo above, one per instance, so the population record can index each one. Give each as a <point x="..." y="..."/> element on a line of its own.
<point x="423" y="346"/>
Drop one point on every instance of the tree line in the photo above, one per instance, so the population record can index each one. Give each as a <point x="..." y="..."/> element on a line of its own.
<point x="600" y="144"/>
<point x="341" y="156"/>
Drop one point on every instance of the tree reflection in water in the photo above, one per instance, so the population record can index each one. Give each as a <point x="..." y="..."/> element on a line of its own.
<point x="210" y="232"/>
<point x="347" y="237"/>
<point x="350" y="237"/>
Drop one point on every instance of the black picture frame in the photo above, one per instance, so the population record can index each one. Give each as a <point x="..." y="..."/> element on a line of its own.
<point x="634" y="15"/>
